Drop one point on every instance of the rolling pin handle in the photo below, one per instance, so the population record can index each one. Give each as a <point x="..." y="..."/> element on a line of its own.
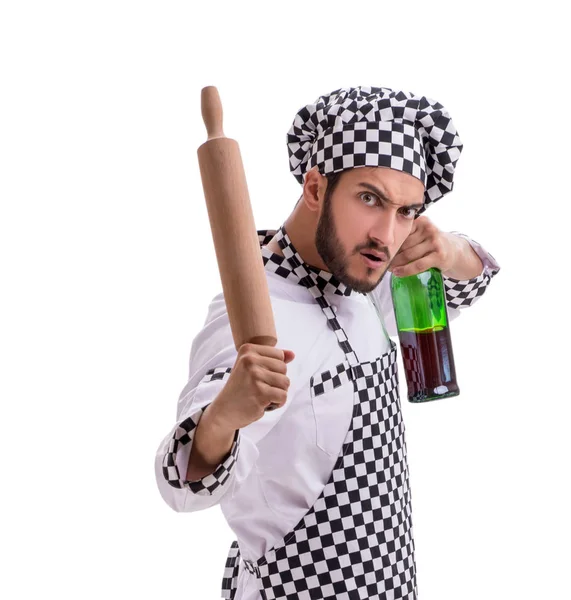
<point x="212" y="112"/>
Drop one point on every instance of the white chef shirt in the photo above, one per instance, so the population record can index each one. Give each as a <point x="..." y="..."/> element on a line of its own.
<point x="281" y="463"/>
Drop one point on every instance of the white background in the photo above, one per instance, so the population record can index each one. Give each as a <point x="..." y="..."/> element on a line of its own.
<point x="107" y="269"/>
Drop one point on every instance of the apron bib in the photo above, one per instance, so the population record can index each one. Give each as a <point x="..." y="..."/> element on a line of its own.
<point x="356" y="541"/>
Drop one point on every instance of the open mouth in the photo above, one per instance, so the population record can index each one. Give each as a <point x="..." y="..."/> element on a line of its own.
<point x="372" y="257"/>
<point x="374" y="262"/>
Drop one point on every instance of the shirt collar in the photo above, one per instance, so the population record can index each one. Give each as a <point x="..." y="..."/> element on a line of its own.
<point x="294" y="268"/>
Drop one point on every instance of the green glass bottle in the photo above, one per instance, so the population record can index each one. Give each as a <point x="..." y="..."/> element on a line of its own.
<point x="419" y="302"/>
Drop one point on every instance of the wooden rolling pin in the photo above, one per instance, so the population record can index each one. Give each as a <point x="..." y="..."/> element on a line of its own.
<point x="235" y="238"/>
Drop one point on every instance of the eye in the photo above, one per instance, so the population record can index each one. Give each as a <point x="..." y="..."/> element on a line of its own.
<point x="368" y="198"/>
<point x="411" y="212"/>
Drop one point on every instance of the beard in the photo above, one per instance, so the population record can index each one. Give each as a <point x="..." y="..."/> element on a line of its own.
<point x="334" y="256"/>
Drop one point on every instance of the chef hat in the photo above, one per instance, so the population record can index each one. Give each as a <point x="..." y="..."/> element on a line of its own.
<point x="377" y="127"/>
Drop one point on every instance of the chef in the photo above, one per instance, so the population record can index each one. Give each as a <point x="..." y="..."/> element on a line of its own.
<point x="303" y="445"/>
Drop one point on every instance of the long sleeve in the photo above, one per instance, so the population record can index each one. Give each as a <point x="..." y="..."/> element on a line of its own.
<point x="172" y="456"/>
<point x="459" y="294"/>
<point x="463" y="293"/>
<point x="211" y="360"/>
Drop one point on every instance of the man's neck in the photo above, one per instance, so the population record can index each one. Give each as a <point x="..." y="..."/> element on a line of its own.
<point x="301" y="232"/>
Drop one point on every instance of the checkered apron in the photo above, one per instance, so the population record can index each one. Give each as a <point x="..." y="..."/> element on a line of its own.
<point x="356" y="542"/>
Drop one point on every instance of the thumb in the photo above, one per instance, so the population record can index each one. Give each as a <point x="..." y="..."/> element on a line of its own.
<point x="288" y="356"/>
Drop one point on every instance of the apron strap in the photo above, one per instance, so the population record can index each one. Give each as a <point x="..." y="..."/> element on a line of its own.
<point x="230" y="577"/>
<point x="309" y="280"/>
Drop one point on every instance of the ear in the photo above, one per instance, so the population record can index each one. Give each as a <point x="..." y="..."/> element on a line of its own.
<point x="314" y="186"/>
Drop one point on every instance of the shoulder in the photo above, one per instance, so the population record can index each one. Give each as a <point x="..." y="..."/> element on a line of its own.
<point x="298" y="321"/>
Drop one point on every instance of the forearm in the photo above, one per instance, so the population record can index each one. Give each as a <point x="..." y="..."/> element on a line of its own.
<point x="212" y="444"/>
<point x="468" y="264"/>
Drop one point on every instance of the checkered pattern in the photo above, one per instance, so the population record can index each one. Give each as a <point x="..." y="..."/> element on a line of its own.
<point x="412" y="367"/>
<point x="365" y="144"/>
<point x="184" y="435"/>
<point x="377" y="127"/>
<point x="356" y="542"/>
<point x="218" y="374"/>
<point x="327" y="381"/>
<point x="230" y="577"/>
<point x="460" y="294"/>
<point x="265" y="236"/>
<point x="324" y="280"/>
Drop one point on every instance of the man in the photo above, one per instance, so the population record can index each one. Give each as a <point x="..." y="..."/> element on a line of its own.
<point x="303" y="445"/>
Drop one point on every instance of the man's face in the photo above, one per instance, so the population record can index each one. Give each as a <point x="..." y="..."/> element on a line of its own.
<point x="372" y="209"/>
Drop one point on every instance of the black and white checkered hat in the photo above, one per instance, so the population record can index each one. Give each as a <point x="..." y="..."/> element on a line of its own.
<point x="377" y="127"/>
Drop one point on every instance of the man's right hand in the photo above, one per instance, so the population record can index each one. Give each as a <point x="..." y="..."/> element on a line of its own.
<point x="258" y="380"/>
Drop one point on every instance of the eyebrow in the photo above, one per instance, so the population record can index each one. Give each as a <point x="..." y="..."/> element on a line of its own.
<point x="385" y="198"/>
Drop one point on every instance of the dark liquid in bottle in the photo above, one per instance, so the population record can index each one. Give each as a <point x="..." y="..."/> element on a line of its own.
<point x="429" y="364"/>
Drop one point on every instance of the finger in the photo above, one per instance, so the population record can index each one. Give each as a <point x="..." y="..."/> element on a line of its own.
<point x="274" y="405"/>
<point x="418" y="266"/>
<point x="272" y="364"/>
<point x="275" y="380"/>
<point x="414" y="253"/>
<point x="272" y="395"/>
<point x="288" y="356"/>
<point x="414" y="239"/>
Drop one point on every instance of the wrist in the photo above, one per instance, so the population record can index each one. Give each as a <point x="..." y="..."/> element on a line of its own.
<point x="216" y="421"/>
<point x="467" y="263"/>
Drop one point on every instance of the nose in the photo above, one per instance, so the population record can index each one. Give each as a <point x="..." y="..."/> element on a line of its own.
<point x="383" y="230"/>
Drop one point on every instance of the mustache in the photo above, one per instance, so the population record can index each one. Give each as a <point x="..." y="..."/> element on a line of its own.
<point x="380" y="249"/>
